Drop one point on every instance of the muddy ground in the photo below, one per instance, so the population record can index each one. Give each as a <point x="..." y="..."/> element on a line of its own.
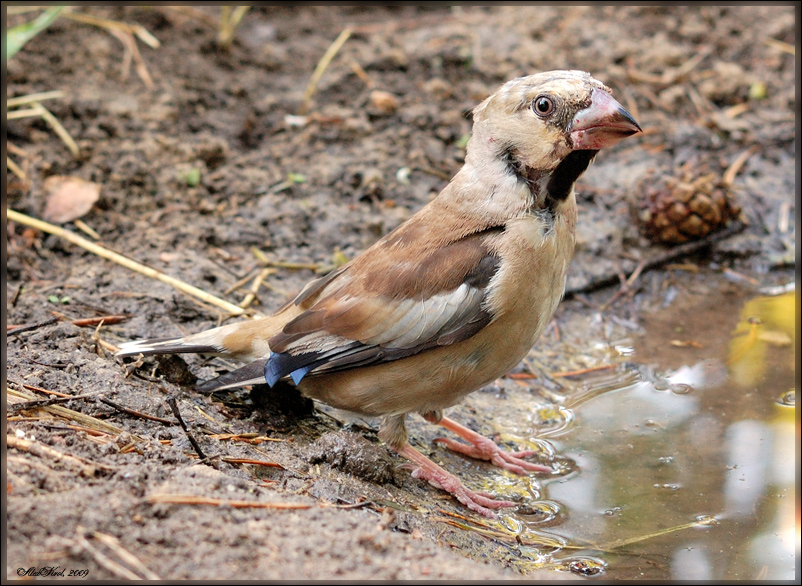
<point x="208" y="163"/>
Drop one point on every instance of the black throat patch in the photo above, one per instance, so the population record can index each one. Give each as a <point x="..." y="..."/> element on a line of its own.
<point x="562" y="178"/>
<point x="565" y="175"/>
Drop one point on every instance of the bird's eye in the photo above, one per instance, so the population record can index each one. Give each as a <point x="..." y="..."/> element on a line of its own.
<point x="543" y="106"/>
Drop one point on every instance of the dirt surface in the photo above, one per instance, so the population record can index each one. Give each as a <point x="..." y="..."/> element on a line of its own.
<point x="212" y="161"/>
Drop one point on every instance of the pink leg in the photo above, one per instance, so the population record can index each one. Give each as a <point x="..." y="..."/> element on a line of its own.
<point x="484" y="449"/>
<point x="480" y="502"/>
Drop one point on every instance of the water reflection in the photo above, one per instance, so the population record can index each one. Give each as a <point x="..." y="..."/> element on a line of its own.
<point x="691" y="563"/>
<point x="720" y="442"/>
<point x="749" y="446"/>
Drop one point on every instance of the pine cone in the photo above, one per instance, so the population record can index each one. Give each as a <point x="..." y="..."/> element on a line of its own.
<point x="673" y="210"/>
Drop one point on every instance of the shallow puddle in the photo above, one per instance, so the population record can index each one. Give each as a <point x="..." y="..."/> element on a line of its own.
<point x="690" y="473"/>
<point x="685" y="470"/>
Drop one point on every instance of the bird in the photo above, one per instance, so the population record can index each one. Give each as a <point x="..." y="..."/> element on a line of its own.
<point x="451" y="299"/>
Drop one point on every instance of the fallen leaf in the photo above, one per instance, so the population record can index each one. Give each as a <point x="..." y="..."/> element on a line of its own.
<point x="68" y="198"/>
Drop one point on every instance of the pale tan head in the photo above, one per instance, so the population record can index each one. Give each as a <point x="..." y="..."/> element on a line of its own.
<point x="543" y="117"/>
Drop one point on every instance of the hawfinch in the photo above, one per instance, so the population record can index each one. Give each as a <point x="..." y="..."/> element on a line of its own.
<point x="453" y="298"/>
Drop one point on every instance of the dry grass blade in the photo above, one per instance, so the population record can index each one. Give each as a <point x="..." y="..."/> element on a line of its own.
<point x="126" y="556"/>
<point x="485" y="528"/>
<point x="125" y="33"/>
<point x="480" y="530"/>
<point x="781" y="45"/>
<point x="84" y="466"/>
<point x="38" y="109"/>
<point x="262" y="257"/>
<point x="624" y="542"/>
<point x="190" y="499"/>
<point x="28" y="113"/>
<point x="68" y="414"/>
<point x="106" y="23"/>
<point x="145" y="36"/>
<point x="239" y="283"/>
<point x="502" y="534"/>
<point x="132" y="54"/>
<point x="37" y="403"/>
<point x="15" y="150"/>
<point x="322" y="65"/>
<point x="228" y="24"/>
<point x="133" y="265"/>
<point x="103" y="560"/>
<point x="30" y="98"/>
<point x="732" y="171"/>
<point x="12" y="166"/>
<point x="86" y="229"/>
<point x="254" y="289"/>
<point x="62" y="133"/>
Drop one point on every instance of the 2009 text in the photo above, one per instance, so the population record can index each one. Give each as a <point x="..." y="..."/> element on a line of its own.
<point x="53" y="572"/>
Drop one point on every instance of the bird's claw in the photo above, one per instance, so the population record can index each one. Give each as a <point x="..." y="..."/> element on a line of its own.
<point x="481" y="502"/>
<point x="485" y="449"/>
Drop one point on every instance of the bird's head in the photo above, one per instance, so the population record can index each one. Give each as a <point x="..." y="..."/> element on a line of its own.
<point x="542" y="118"/>
<point x="539" y="123"/>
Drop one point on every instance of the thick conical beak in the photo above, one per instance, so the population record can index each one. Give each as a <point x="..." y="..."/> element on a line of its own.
<point x="602" y="124"/>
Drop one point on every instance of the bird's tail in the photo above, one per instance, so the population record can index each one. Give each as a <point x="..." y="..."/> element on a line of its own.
<point x="166" y="346"/>
<point x="242" y="340"/>
<point x="252" y="373"/>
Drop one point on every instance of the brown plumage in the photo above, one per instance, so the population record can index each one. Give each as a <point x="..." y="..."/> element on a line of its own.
<point x="453" y="298"/>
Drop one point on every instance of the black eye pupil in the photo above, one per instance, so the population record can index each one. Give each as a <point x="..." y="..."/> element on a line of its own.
<point x="543" y="105"/>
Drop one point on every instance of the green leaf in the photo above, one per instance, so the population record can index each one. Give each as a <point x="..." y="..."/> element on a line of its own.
<point x="22" y="33"/>
<point x="192" y="177"/>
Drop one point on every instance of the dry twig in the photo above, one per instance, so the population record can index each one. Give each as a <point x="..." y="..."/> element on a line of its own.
<point x="252" y="461"/>
<point x="662" y="258"/>
<point x="128" y="411"/>
<point x="171" y="402"/>
<point x="12" y="329"/>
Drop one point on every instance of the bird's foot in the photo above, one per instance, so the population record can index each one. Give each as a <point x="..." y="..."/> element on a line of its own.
<point x="425" y="469"/>
<point x="483" y="448"/>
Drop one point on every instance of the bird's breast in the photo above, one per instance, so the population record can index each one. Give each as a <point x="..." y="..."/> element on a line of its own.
<point x="523" y="296"/>
<point x="535" y="251"/>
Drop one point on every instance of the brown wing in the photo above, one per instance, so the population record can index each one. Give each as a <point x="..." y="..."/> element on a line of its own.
<point x="394" y="301"/>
